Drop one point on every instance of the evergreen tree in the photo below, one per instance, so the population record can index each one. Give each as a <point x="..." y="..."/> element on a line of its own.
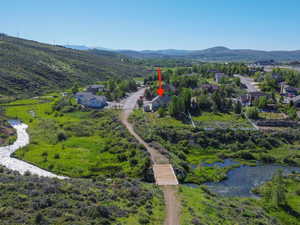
<point x="237" y="108"/>
<point x="278" y="192"/>
<point x="148" y="94"/>
<point x="186" y="95"/>
<point x="140" y="102"/>
<point x="75" y="88"/>
<point x="172" y="106"/>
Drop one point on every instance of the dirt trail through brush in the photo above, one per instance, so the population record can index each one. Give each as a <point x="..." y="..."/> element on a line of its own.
<point x="170" y="191"/>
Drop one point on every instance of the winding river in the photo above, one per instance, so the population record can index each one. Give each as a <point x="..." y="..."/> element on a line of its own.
<point x="16" y="164"/>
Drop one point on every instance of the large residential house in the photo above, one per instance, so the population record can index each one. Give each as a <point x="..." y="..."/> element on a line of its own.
<point x="95" y="88"/>
<point x="219" y="77"/>
<point x="157" y="102"/>
<point x="249" y="98"/>
<point x="289" y="91"/>
<point x="90" y="100"/>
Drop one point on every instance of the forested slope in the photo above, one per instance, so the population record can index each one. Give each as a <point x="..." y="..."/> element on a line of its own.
<point x="30" y="68"/>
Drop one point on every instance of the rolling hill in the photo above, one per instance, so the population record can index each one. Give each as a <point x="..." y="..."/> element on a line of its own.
<point x="218" y="53"/>
<point x="31" y="68"/>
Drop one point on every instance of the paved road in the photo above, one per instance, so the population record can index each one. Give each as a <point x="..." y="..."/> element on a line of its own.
<point x="163" y="169"/>
<point x="249" y="82"/>
<point x="16" y="164"/>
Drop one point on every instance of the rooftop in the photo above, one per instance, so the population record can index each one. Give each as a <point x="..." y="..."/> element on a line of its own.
<point x="96" y="86"/>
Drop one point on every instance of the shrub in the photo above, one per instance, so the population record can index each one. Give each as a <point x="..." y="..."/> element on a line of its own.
<point x="68" y="109"/>
<point x="247" y="156"/>
<point x="104" y="211"/>
<point x="267" y="159"/>
<point x="51" y="166"/>
<point x="27" y="173"/>
<point x="39" y="218"/>
<point x="133" y="162"/>
<point x="144" y="220"/>
<point x="61" y="136"/>
<point x="122" y="157"/>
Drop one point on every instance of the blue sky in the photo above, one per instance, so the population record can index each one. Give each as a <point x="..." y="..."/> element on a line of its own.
<point x="156" y="24"/>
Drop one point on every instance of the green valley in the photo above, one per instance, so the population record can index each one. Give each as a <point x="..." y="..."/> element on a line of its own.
<point x="79" y="143"/>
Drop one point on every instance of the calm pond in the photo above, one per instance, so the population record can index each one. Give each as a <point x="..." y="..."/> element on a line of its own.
<point x="240" y="181"/>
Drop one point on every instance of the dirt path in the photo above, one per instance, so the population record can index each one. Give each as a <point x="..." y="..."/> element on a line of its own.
<point x="172" y="205"/>
<point x="170" y="191"/>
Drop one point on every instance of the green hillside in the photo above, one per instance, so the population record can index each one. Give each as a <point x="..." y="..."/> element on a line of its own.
<point x="43" y="201"/>
<point x="30" y="68"/>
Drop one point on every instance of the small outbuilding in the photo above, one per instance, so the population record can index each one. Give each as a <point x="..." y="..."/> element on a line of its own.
<point x="95" y="88"/>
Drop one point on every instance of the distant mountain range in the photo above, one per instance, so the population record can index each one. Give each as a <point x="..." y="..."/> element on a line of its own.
<point x="211" y="54"/>
<point x="83" y="47"/>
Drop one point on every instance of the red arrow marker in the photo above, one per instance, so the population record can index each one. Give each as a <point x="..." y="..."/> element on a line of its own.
<point x="160" y="90"/>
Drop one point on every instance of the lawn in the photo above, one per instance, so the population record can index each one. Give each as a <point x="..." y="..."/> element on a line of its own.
<point x="23" y="102"/>
<point x="272" y="115"/>
<point x="221" y="120"/>
<point x="6" y="99"/>
<point x="79" y="143"/>
<point x="139" y="79"/>
<point x="154" y="119"/>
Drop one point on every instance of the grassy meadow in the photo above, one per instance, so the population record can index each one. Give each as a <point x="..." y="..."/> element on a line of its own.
<point x="221" y="120"/>
<point x="79" y="143"/>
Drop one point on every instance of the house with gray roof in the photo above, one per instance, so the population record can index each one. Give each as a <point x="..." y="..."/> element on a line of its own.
<point x="90" y="100"/>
